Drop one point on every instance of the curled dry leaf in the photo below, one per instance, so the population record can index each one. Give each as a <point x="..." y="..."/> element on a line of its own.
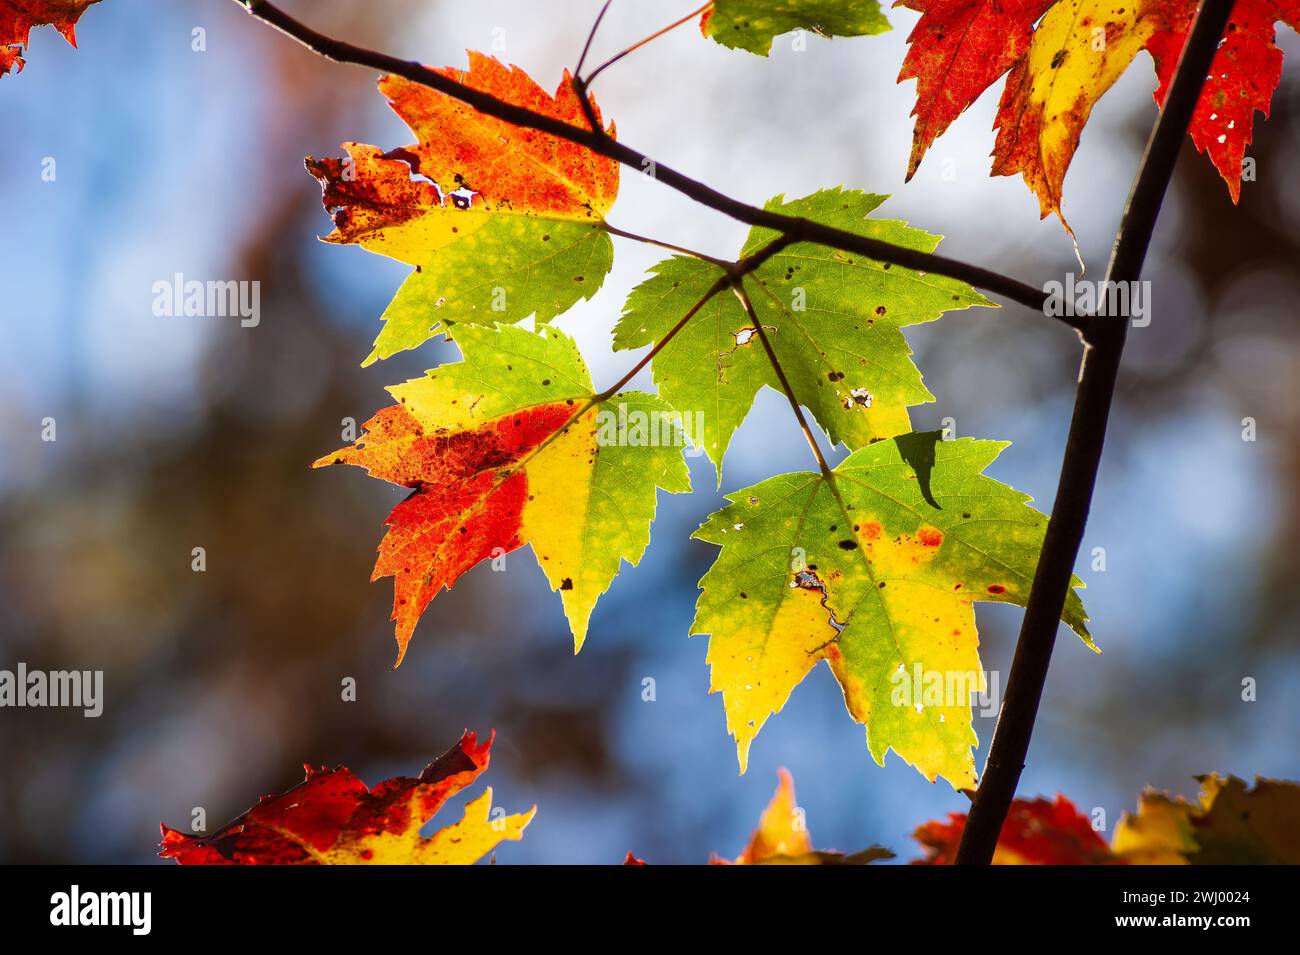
<point x="1230" y="824"/>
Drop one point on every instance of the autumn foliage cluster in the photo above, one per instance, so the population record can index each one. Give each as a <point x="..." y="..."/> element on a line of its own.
<point x="872" y="565"/>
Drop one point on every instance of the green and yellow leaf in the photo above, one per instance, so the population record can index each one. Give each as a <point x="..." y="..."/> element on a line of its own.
<point x="511" y="446"/>
<point x="875" y="572"/>
<point x="753" y="24"/>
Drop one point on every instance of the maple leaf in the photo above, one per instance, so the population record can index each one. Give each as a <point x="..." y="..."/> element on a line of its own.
<point x="753" y="24"/>
<point x="333" y="818"/>
<point x="500" y="222"/>
<point x="834" y="320"/>
<point x="955" y="52"/>
<point x="1245" y="71"/>
<point x="1061" y="68"/>
<point x="1078" y="51"/>
<point x="876" y="573"/>
<point x="511" y="446"/>
<point x="1036" y="832"/>
<point x="782" y="837"/>
<point x="18" y="17"/>
<point x="1230" y="824"/>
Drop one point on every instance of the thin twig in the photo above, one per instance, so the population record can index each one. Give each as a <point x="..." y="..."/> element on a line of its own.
<point x="798" y="228"/>
<point x="640" y="43"/>
<point x="586" y="47"/>
<point x="579" y="84"/>
<point x="737" y="286"/>
<point x="1104" y="343"/>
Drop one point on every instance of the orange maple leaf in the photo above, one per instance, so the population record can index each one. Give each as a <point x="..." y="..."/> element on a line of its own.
<point x="500" y="222"/>
<point x="17" y="17"/>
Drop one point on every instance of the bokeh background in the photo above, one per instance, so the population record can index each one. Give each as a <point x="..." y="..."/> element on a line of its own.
<point x="183" y="432"/>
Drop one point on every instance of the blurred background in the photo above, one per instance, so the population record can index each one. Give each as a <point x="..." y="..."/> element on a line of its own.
<point x="174" y="433"/>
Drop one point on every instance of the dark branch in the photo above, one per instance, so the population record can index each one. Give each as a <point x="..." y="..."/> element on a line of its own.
<point x="795" y="227"/>
<point x="1104" y="341"/>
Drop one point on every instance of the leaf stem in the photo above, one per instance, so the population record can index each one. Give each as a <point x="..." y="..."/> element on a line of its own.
<point x="599" y="142"/>
<point x="640" y="43"/>
<point x="737" y="286"/>
<point x="1103" y="347"/>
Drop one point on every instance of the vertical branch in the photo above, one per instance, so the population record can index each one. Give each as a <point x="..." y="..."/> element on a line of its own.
<point x="1104" y="345"/>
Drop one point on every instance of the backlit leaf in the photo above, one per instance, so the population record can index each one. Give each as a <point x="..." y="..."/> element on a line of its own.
<point x="511" y="447"/>
<point x="753" y="24"/>
<point x="1231" y="824"/>
<point x="957" y="50"/>
<point x="782" y="837"/>
<point x="333" y="818"/>
<point x="1061" y="68"/>
<point x="500" y="222"/>
<point x="834" y="320"/>
<point x="875" y="573"/>
<point x="1036" y="832"/>
<point x="1243" y="75"/>
<point x="17" y="17"/>
<point x="1079" y="50"/>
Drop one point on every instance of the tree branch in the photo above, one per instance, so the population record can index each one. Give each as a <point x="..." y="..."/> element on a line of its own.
<point x="1104" y="345"/>
<point x="795" y="227"/>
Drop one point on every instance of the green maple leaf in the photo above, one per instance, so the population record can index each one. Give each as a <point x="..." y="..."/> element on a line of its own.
<point x="834" y="320"/>
<point x="510" y="269"/>
<point x="753" y="24"/>
<point x="876" y="573"/>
